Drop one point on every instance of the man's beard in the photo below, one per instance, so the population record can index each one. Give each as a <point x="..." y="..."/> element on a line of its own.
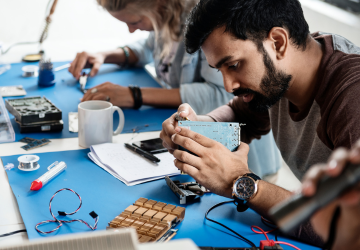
<point x="275" y="83"/>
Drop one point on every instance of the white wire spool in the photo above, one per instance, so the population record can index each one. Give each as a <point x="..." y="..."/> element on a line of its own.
<point x="30" y="71"/>
<point x="28" y="162"/>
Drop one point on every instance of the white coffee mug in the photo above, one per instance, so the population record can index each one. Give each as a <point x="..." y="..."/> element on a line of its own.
<point x="96" y="122"/>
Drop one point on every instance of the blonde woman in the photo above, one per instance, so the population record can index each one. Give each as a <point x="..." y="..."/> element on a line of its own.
<point x="190" y="77"/>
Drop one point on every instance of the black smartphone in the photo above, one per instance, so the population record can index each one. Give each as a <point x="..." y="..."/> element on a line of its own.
<point x="153" y="146"/>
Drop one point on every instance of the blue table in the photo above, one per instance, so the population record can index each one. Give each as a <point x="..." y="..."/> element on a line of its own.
<point x="108" y="197"/>
<point x="66" y="95"/>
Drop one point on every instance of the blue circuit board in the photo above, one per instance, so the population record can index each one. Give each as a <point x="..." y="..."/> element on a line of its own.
<point x="226" y="133"/>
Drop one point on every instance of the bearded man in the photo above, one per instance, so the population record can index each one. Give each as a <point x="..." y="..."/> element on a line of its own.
<point x="305" y="87"/>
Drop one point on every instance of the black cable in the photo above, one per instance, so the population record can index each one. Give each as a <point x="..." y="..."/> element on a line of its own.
<point x="11" y="233"/>
<point x="242" y="237"/>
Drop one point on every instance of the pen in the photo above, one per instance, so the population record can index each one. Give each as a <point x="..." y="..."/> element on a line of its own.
<point x="54" y="170"/>
<point x="142" y="153"/>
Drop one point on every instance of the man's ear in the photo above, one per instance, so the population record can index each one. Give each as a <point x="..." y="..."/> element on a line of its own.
<point x="280" y="39"/>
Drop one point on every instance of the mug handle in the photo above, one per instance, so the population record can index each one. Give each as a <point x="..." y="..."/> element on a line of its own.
<point x="121" y="120"/>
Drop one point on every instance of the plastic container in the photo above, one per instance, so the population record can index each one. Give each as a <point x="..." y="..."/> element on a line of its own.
<point x="7" y="133"/>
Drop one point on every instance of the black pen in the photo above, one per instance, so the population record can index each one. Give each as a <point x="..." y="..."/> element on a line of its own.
<point x="142" y="153"/>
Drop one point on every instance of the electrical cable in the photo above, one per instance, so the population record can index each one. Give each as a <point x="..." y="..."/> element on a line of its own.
<point x="15" y="44"/>
<point x="61" y="213"/>
<point x="12" y="233"/>
<point x="222" y="203"/>
<point x="43" y="35"/>
<point x="267" y="238"/>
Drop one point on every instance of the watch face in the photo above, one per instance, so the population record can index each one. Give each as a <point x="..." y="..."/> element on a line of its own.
<point x="245" y="188"/>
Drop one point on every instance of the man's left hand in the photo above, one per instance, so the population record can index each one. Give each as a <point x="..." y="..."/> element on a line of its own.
<point x="214" y="166"/>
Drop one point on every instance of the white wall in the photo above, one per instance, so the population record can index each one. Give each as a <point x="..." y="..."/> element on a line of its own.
<point x="325" y="17"/>
<point x="77" y="25"/>
<point x="83" y="25"/>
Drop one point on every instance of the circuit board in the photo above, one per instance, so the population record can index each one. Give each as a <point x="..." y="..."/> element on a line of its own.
<point x="153" y="220"/>
<point x="226" y="133"/>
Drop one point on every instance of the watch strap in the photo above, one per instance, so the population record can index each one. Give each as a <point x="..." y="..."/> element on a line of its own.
<point x="241" y="205"/>
<point x="254" y="176"/>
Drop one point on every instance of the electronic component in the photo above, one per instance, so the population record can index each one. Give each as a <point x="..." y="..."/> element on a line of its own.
<point x="35" y="114"/>
<point x="33" y="109"/>
<point x="178" y="118"/>
<point x="83" y="80"/>
<point x="36" y="144"/>
<point x="61" y="213"/>
<point x="12" y="91"/>
<point x="153" y="146"/>
<point x="187" y="192"/>
<point x="226" y="133"/>
<point x="27" y="140"/>
<point x="290" y="213"/>
<point x="52" y="126"/>
<point x="153" y="220"/>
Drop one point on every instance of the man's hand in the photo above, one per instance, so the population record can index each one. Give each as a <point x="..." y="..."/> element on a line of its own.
<point x="215" y="167"/>
<point x="117" y="95"/>
<point x="349" y="222"/>
<point x="169" y="125"/>
<point x="86" y="60"/>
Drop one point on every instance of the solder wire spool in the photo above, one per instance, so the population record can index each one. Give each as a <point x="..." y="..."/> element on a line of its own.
<point x="30" y="71"/>
<point x="28" y="162"/>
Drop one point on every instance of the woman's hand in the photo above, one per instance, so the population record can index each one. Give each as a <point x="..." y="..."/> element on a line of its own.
<point x="117" y="95"/>
<point x="86" y="60"/>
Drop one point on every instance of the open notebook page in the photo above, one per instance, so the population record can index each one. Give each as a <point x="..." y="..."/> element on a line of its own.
<point x="130" y="166"/>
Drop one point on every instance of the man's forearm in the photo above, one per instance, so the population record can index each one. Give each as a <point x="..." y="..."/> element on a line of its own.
<point x="268" y="195"/>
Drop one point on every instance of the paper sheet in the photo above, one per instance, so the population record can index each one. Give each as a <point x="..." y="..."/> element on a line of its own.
<point x="128" y="166"/>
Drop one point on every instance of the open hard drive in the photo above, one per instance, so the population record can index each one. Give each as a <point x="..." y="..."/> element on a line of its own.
<point x="35" y="114"/>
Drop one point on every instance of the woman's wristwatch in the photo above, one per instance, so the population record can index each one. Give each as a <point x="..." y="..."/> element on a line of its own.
<point x="245" y="188"/>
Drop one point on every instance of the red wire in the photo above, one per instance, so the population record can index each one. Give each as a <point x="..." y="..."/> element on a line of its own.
<point x="267" y="238"/>
<point x="285" y="243"/>
<point x="262" y="231"/>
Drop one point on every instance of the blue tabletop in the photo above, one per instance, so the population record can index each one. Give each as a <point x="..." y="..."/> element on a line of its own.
<point x="66" y="95"/>
<point x="107" y="196"/>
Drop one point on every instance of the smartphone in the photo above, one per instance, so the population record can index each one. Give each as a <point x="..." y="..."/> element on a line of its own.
<point x="153" y="146"/>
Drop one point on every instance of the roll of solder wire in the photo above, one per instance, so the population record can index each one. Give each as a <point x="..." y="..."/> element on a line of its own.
<point x="28" y="162"/>
<point x="30" y="71"/>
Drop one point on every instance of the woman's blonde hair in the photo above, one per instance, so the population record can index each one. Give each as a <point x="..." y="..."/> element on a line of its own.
<point x="167" y="16"/>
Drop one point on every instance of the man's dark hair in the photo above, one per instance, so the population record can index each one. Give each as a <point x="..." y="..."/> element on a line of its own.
<point x="245" y="19"/>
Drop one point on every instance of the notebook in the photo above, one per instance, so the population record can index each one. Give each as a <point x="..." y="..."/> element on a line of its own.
<point x="129" y="167"/>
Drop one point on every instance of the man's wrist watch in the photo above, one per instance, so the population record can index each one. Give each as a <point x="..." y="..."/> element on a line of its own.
<point x="245" y="188"/>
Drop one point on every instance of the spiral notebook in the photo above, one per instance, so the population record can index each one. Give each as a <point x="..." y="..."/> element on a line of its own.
<point x="128" y="166"/>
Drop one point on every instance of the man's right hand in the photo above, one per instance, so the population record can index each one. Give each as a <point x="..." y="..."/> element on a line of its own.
<point x="86" y="60"/>
<point x="169" y="125"/>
